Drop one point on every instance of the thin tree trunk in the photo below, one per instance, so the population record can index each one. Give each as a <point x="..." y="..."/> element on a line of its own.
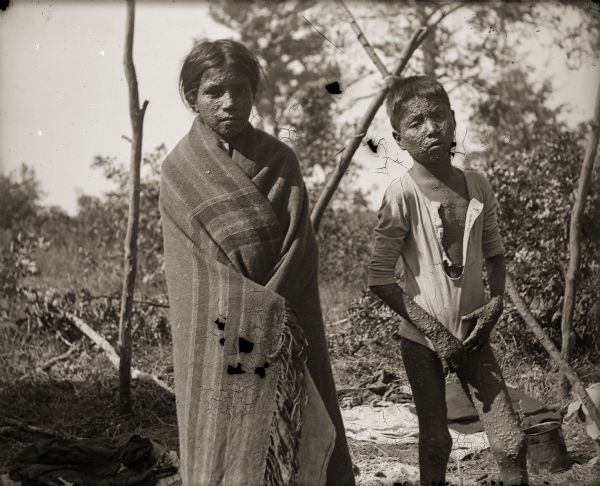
<point x="551" y="349"/>
<point x="572" y="273"/>
<point x="344" y="161"/>
<point x="130" y="261"/>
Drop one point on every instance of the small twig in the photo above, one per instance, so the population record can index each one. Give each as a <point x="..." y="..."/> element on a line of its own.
<point x="321" y="33"/>
<point x="51" y="362"/>
<point x="48" y="364"/>
<point x="117" y="297"/>
<point x="32" y="428"/>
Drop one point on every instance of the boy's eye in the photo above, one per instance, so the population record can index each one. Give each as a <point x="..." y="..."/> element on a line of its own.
<point x="215" y="92"/>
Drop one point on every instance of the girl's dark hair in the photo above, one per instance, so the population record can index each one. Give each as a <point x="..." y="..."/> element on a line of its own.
<point x="411" y="87"/>
<point x="223" y="53"/>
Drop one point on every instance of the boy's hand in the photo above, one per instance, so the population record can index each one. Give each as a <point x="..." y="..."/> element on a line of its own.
<point x="485" y="318"/>
<point x="451" y="351"/>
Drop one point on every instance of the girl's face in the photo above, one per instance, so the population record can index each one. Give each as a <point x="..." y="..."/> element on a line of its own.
<point x="224" y="101"/>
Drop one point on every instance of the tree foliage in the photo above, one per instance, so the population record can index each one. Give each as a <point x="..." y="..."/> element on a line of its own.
<point x="292" y="102"/>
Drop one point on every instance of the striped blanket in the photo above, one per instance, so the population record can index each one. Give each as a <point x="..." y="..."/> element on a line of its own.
<point x="255" y="393"/>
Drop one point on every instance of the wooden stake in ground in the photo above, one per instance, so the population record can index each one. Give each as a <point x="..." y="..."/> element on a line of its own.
<point x="350" y="149"/>
<point x="571" y="275"/>
<point x="130" y="262"/>
<point x="551" y="349"/>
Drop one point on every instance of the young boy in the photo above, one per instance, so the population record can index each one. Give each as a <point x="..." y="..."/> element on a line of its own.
<point x="442" y="222"/>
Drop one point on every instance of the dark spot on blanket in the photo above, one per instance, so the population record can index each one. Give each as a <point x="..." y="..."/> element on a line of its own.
<point x="235" y="371"/>
<point x="220" y="323"/>
<point x="334" y="88"/>
<point x="246" y="346"/>
<point x="222" y="341"/>
<point x="260" y="370"/>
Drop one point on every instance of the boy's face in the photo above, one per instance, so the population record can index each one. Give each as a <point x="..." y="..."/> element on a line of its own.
<point x="425" y="128"/>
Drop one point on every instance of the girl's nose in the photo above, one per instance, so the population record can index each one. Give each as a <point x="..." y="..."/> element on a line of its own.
<point x="227" y="99"/>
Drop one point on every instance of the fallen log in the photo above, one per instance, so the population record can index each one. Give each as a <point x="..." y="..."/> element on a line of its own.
<point x="111" y="354"/>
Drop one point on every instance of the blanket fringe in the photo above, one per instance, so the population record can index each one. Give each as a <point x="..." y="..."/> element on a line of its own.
<point x="284" y="440"/>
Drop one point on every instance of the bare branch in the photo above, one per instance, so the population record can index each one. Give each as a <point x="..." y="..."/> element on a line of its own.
<point x="571" y="275"/>
<point x="551" y="349"/>
<point x="136" y="115"/>
<point x="343" y="163"/>
<point x="360" y="35"/>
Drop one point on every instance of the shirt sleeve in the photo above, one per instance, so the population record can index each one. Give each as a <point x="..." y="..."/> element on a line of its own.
<point x="491" y="239"/>
<point x="388" y="237"/>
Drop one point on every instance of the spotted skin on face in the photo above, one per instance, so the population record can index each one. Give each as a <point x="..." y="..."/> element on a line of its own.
<point x="224" y="101"/>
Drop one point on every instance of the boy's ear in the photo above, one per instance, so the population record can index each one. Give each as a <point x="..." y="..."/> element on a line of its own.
<point x="398" y="139"/>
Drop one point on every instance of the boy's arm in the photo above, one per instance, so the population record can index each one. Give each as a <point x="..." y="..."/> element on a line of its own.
<point x="449" y="349"/>
<point x="495" y="268"/>
<point x="487" y="316"/>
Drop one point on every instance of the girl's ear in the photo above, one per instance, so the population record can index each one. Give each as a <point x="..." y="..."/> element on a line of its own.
<point x="398" y="139"/>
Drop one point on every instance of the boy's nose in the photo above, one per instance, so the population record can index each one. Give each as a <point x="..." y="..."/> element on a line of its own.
<point x="432" y="127"/>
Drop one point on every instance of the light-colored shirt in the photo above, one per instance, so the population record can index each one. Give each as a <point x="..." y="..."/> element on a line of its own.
<point x="410" y="227"/>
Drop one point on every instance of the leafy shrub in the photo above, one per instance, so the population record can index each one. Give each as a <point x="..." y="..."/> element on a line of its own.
<point x="536" y="193"/>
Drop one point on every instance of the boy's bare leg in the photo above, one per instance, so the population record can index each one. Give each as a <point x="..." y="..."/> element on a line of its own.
<point x="482" y="379"/>
<point x="426" y="376"/>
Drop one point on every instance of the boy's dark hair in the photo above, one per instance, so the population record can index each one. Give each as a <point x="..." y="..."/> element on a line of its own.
<point x="411" y="87"/>
<point x="222" y="53"/>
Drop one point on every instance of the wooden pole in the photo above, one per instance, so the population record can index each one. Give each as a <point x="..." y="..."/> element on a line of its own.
<point x="344" y="161"/>
<point x="552" y="350"/>
<point x="572" y="273"/>
<point x="130" y="260"/>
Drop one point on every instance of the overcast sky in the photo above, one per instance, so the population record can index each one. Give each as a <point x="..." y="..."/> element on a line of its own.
<point x="63" y="95"/>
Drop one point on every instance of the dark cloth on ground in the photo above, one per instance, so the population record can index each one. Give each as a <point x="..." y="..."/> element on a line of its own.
<point x="127" y="459"/>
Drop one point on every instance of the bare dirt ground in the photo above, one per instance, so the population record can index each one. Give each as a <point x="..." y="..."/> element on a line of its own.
<point x="77" y="396"/>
